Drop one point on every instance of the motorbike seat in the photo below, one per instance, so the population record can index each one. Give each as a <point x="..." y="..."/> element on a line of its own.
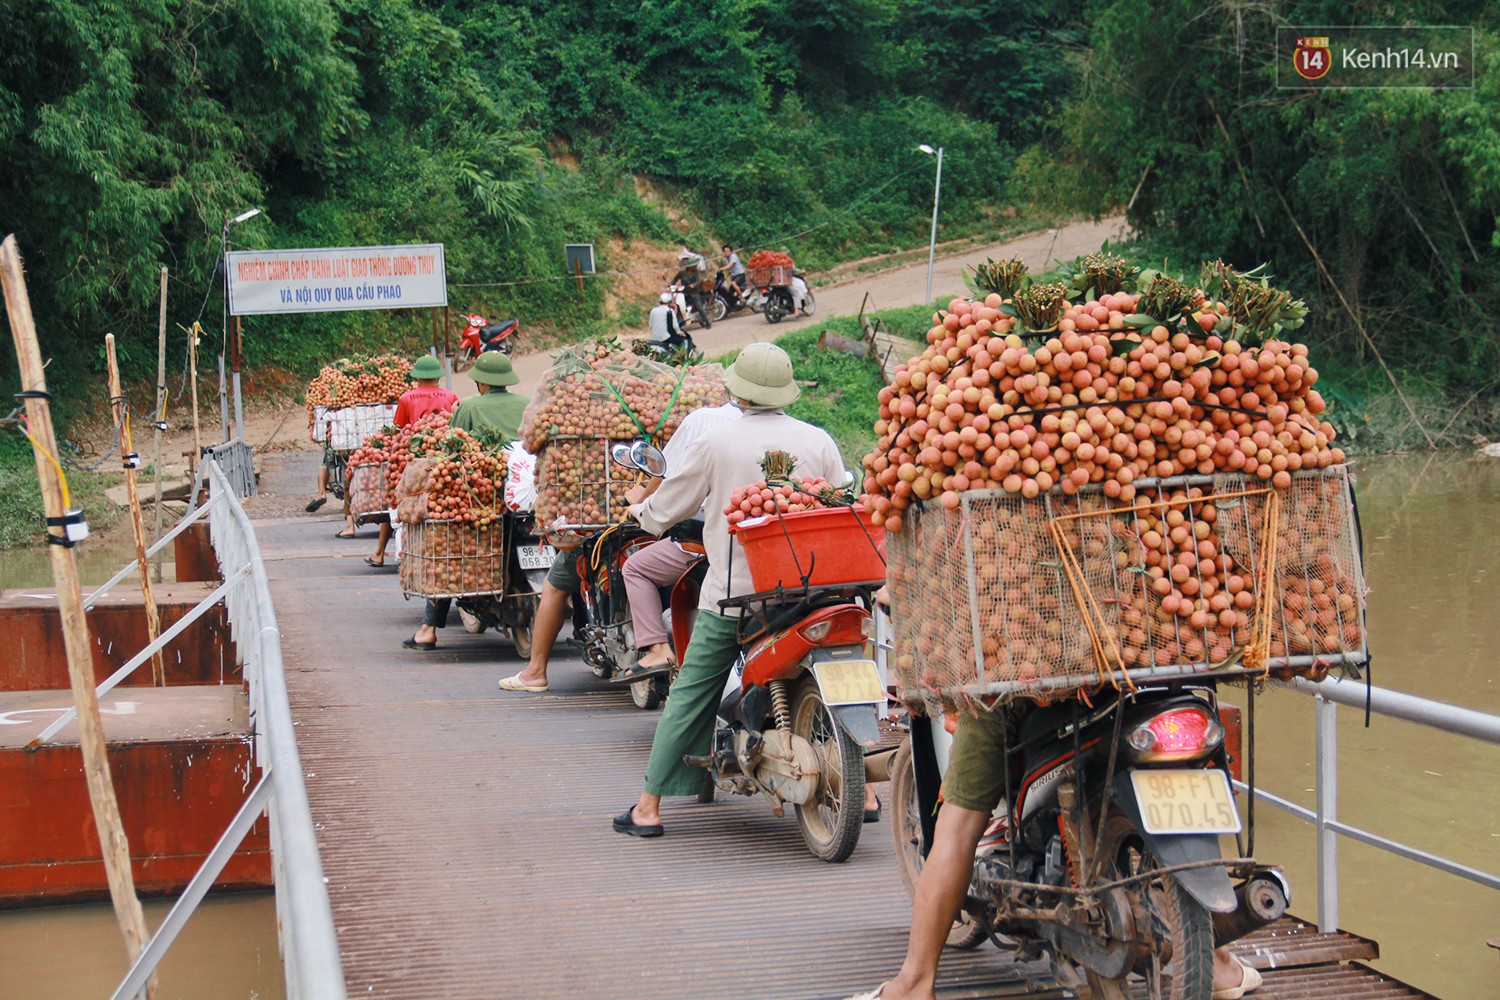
<point x="497" y="331"/>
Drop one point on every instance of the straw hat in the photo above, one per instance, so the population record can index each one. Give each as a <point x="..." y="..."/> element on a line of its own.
<point x="426" y="367"/>
<point x="494" y="368"/>
<point x="762" y="376"/>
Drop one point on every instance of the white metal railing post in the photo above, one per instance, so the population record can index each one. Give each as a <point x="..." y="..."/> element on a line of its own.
<point x="1327" y="814"/>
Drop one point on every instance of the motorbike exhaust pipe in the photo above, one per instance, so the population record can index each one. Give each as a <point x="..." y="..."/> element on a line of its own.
<point x="878" y="765"/>
<point x="1262" y="899"/>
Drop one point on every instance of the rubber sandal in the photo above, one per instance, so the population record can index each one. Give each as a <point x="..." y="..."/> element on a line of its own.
<point x="314" y="504"/>
<point x="635" y="672"/>
<point x="372" y="562"/>
<point x="412" y="643"/>
<point x="625" y="823"/>
<point x="873" y="815"/>
<point x="514" y="683"/>
<point x="348" y="535"/>
<point x="872" y="994"/>
<point x="1251" y="980"/>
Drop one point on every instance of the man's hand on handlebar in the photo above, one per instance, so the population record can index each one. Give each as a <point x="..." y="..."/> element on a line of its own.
<point x="636" y="495"/>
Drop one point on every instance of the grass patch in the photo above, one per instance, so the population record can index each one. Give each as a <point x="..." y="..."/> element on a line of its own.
<point x="21" y="517"/>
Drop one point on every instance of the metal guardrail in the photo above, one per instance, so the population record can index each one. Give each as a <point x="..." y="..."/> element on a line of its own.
<point x="1330" y="694"/>
<point x="309" y="945"/>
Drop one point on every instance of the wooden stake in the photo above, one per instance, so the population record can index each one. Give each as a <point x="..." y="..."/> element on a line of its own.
<point x="122" y="420"/>
<point x="193" y="381"/>
<point x="115" y="846"/>
<point x="159" y="414"/>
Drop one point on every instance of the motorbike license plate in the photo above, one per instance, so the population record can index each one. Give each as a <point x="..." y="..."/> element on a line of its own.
<point x="1189" y="801"/>
<point x="848" y="682"/>
<point x="536" y="556"/>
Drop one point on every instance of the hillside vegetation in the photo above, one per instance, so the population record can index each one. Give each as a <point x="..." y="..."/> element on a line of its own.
<point x="129" y="132"/>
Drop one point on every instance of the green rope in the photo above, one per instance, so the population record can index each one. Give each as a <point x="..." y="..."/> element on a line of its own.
<point x="671" y="400"/>
<point x="626" y="407"/>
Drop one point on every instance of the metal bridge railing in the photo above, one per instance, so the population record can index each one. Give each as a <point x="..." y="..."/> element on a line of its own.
<point x="309" y="946"/>
<point x="1330" y="694"/>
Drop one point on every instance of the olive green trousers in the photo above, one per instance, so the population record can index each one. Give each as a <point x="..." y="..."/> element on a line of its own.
<point x="687" y="720"/>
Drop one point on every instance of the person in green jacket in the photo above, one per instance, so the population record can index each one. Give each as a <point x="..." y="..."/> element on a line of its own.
<point x="495" y="408"/>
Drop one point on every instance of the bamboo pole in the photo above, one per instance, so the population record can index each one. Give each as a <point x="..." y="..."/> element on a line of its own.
<point x="158" y="415"/>
<point x="137" y="523"/>
<point x="114" y="845"/>
<point x="193" y="381"/>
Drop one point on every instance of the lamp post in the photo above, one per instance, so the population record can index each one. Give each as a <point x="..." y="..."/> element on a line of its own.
<point x="239" y="422"/>
<point x="937" y="187"/>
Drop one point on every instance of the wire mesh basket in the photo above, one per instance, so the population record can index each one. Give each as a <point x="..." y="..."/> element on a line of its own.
<point x="580" y="489"/>
<point x="346" y="427"/>
<point x="453" y="559"/>
<point x="1200" y="575"/>
<point x="367" y="489"/>
<point x="781" y="274"/>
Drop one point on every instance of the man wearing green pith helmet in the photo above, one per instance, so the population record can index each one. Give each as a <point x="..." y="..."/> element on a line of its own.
<point x="414" y="404"/>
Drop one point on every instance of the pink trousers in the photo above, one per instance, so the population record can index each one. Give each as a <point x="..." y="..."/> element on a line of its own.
<point x="659" y="564"/>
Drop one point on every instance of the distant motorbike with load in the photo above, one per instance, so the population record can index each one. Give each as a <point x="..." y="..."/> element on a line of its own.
<point x="776" y="285"/>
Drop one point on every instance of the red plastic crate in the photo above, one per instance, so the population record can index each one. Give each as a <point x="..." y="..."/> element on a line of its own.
<point x="836" y="544"/>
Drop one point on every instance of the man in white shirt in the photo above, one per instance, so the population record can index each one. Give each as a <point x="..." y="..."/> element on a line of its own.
<point x="666" y="329"/>
<point x="724" y="458"/>
<point x="663" y="562"/>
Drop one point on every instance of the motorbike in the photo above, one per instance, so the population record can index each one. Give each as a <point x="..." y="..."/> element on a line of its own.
<point x="480" y="335"/>
<point x="1104" y="855"/>
<point x="602" y="617"/>
<point x="779" y="301"/>
<point x="690" y="311"/>
<point x="512" y="613"/>
<point x="800" y="707"/>
<point x="728" y="300"/>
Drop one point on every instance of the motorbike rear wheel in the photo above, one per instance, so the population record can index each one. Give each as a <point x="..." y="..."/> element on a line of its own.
<point x="832" y="820"/>
<point x="521" y="636"/>
<point x="1183" y="968"/>
<point x="906" y="832"/>
<point x="809" y="306"/>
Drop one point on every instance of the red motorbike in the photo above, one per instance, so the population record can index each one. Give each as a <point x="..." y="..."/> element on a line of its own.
<point x="480" y="335"/>
<point x="801" y="706"/>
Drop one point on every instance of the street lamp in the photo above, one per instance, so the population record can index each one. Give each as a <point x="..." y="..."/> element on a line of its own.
<point x="937" y="187"/>
<point x="239" y="421"/>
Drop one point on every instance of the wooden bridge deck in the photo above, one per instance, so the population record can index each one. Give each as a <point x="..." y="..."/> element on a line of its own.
<point x="465" y="832"/>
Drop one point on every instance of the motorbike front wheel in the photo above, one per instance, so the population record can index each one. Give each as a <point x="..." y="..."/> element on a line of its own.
<point x="906" y="831"/>
<point x="717" y="307"/>
<point x="832" y="819"/>
<point x="463" y="360"/>
<point x="808" y="305"/>
<point x="649" y="693"/>
<point x="1183" y="967"/>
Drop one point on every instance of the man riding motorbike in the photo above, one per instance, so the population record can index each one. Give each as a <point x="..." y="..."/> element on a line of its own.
<point x="726" y="457"/>
<point x="666" y="331"/>
<point x="692" y="274"/>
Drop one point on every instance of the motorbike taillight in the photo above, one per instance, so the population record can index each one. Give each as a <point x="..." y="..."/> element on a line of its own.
<point x="1185" y="733"/>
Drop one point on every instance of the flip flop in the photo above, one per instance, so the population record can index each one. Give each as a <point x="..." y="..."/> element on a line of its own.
<point x="412" y="643"/>
<point x="625" y="823"/>
<point x="1251" y="980"/>
<point x="873" y="815"/>
<point x="343" y="535"/>
<point x="872" y="994"/>
<point x="372" y="562"/>
<point x="514" y="683"/>
<point x="314" y="504"/>
<point x="635" y="672"/>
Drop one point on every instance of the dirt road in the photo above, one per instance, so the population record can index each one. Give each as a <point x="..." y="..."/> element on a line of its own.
<point x="890" y="289"/>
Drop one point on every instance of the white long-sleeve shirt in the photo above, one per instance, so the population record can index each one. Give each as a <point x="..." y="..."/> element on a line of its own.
<point x="725" y="458"/>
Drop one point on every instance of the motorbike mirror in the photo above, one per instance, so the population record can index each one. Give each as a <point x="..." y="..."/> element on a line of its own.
<point x="648" y="458"/>
<point x="619" y="452"/>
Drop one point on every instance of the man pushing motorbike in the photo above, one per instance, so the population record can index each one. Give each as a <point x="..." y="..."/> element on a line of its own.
<point x="725" y="457"/>
<point x="973" y="786"/>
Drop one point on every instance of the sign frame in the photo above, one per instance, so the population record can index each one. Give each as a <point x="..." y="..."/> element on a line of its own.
<point x="336" y="279"/>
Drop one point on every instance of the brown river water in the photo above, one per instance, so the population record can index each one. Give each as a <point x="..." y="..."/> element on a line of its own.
<point x="1432" y="551"/>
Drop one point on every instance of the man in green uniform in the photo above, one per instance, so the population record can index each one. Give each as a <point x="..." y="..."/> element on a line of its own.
<point x="495" y="409"/>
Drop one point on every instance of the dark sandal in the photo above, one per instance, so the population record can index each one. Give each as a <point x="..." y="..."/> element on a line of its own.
<point x="314" y="504"/>
<point x="352" y="534"/>
<point x="412" y="643"/>
<point x="635" y="672"/>
<point x="372" y="562"/>
<point x="625" y="823"/>
<point x="873" y="815"/>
